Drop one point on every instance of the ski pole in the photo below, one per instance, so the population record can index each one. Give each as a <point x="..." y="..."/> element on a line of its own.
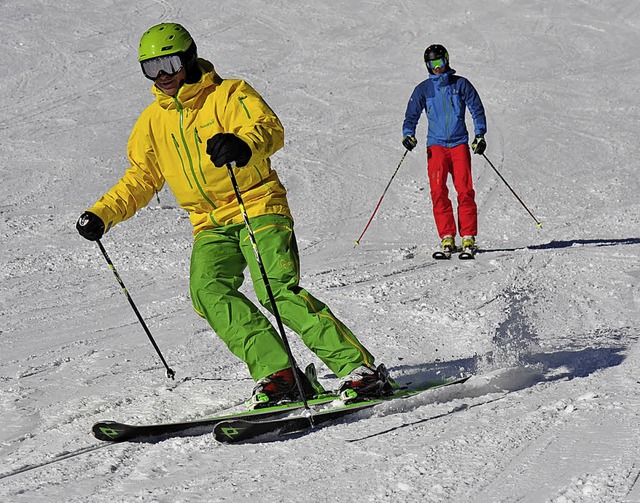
<point x="170" y="373"/>
<point x="272" y="300"/>
<point x="380" y="201"/>
<point x="512" y="191"/>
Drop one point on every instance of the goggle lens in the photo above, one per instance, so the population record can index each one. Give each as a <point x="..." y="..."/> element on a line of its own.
<point x="170" y="65"/>
<point x="437" y="63"/>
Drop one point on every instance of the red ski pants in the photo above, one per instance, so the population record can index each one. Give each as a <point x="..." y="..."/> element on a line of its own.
<point x="456" y="161"/>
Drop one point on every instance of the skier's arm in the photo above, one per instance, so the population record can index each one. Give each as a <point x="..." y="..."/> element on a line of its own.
<point x="138" y="185"/>
<point x="412" y="114"/>
<point x="474" y="104"/>
<point x="249" y="117"/>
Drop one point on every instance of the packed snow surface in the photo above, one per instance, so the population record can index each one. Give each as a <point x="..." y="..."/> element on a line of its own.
<point x="545" y="319"/>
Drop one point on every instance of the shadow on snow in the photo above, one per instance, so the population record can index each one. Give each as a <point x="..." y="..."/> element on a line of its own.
<point x="556" y="245"/>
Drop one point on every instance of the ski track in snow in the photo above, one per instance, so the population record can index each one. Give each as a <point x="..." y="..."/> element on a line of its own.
<point x="546" y="319"/>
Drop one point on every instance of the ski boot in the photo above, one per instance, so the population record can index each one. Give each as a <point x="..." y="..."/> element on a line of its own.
<point x="365" y="382"/>
<point x="468" y="250"/>
<point x="280" y="387"/>
<point x="447" y="247"/>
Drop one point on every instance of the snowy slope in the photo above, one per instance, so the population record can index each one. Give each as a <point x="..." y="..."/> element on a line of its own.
<point x="547" y="319"/>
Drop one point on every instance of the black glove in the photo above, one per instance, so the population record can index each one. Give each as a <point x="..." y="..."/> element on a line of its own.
<point x="225" y="148"/>
<point x="90" y="226"/>
<point x="479" y="145"/>
<point x="409" y="142"/>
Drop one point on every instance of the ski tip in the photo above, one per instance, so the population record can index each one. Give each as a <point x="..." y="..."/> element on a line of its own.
<point x="107" y="431"/>
<point x="439" y="255"/>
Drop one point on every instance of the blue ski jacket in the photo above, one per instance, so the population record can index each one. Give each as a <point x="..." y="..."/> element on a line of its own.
<point x="445" y="98"/>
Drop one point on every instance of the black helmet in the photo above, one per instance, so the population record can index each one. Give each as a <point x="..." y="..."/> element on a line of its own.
<point x="433" y="52"/>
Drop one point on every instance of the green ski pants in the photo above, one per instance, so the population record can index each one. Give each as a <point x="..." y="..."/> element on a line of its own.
<point x="218" y="261"/>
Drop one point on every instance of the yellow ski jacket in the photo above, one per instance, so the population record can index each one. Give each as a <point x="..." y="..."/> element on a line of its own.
<point x="168" y="144"/>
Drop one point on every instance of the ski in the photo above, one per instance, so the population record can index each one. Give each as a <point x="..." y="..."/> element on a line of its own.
<point x="441" y="254"/>
<point x="468" y="253"/>
<point x="444" y="252"/>
<point x="235" y="430"/>
<point x="463" y="254"/>
<point x="114" y="431"/>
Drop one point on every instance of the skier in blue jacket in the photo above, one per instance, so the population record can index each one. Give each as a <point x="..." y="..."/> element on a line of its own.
<point x="445" y="97"/>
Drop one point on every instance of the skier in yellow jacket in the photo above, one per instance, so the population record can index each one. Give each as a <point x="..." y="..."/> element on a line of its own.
<point x="198" y="124"/>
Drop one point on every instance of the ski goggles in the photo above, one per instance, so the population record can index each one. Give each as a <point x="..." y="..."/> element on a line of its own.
<point x="437" y="63"/>
<point x="170" y="65"/>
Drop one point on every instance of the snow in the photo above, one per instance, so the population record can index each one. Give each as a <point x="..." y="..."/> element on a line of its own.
<point x="546" y="318"/>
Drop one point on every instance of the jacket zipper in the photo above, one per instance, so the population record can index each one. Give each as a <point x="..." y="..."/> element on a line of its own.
<point x="189" y="157"/>
<point x="447" y="115"/>
<point x="184" y="169"/>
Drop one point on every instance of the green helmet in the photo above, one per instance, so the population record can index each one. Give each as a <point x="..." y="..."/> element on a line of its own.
<point x="164" y="39"/>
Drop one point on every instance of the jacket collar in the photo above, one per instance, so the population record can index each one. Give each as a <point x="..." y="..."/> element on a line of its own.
<point x="443" y="79"/>
<point x="188" y="93"/>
